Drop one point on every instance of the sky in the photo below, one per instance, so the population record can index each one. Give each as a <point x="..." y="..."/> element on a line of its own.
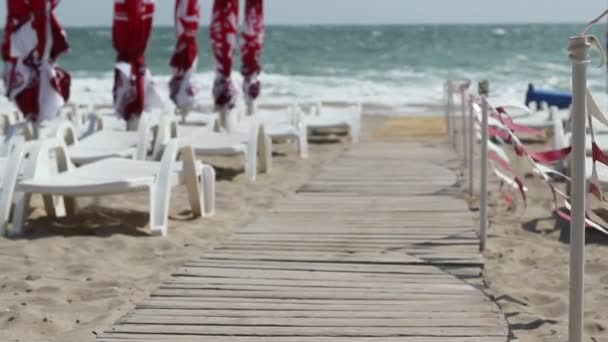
<point x="301" y="12"/>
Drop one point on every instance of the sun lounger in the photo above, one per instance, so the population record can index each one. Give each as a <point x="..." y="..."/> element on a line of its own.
<point x="255" y="146"/>
<point x="282" y="124"/>
<point x="10" y="167"/>
<point x="105" y="143"/>
<point x="346" y="118"/>
<point x="117" y="176"/>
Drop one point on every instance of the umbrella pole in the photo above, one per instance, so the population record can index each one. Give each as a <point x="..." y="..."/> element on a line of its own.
<point x="251" y="107"/>
<point x="133" y="124"/>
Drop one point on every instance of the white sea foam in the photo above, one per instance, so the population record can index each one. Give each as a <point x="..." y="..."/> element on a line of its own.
<point x="285" y="89"/>
<point x="499" y="31"/>
<point x="403" y="89"/>
<point x="414" y="88"/>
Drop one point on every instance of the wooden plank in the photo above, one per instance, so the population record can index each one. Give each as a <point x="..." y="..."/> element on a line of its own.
<point x="309" y="331"/>
<point x="313" y="314"/>
<point x="400" y="258"/>
<point x="314" y="322"/>
<point x="320" y="290"/>
<point x="392" y="258"/>
<point x="255" y="304"/>
<point x="318" y="266"/>
<point x="337" y="294"/>
<point x="351" y="257"/>
<point x="311" y="275"/>
<point x="365" y="241"/>
<point x="113" y="337"/>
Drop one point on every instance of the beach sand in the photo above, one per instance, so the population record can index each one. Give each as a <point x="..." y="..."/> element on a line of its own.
<point x="527" y="263"/>
<point x="68" y="279"/>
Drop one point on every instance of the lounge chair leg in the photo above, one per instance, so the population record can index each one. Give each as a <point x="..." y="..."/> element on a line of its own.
<point x="71" y="205"/>
<point x="50" y="205"/>
<point x="303" y="143"/>
<point x="158" y="214"/>
<point x="208" y="190"/>
<point x="133" y="124"/>
<point x="223" y="121"/>
<point x="267" y="150"/>
<point x="22" y="207"/>
<point x="5" y="211"/>
<point x="16" y="154"/>
<point x="264" y="149"/>
<point x="251" y="157"/>
<point x="192" y="181"/>
<point x="160" y="191"/>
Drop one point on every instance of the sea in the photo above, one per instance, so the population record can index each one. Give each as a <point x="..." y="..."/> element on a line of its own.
<point x="400" y="66"/>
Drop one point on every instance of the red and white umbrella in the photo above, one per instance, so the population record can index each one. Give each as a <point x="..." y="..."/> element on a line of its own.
<point x="185" y="58"/>
<point x="33" y="40"/>
<point x="134" y="90"/>
<point x="251" y="50"/>
<point x="224" y="36"/>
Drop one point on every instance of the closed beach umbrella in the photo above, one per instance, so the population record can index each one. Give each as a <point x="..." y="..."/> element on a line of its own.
<point x="224" y="36"/>
<point x="185" y="58"/>
<point x="251" y="50"/>
<point x="33" y="40"/>
<point x="224" y="33"/>
<point x="133" y="83"/>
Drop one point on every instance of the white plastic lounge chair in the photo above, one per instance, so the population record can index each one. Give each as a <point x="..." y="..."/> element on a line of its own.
<point x="562" y="139"/>
<point x="254" y="145"/>
<point x="10" y="167"/>
<point x="105" y="143"/>
<point x="117" y="176"/>
<point x="541" y="120"/>
<point x="199" y="119"/>
<point x="330" y="117"/>
<point x="15" y="167"/>
<point x="283" y="124"/>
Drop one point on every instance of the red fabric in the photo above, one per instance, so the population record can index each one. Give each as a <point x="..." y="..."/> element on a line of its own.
<point x="598" y="154"/>
<point x="497" y="132"/>
<point x="251" y="50"/>
<point x="224" y="32"/>
<point x="20" y="11"/>
<point x="131" y="31"/>
<point x="517" y="128"/>
<point x="187" y="22"/>
<point x="26" y="91"/>
<point x="545" y="157"/>
<point x="186" y="49"/>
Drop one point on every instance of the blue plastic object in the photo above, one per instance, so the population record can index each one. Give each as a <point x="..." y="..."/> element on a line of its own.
<point x="550" y="97"/>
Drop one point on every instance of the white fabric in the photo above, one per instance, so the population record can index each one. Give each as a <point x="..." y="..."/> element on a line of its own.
<point x="125" y="89"/>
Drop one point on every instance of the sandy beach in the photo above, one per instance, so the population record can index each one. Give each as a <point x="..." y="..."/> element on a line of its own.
<point x="527" y="260"/>
<point x="68" y="279"/>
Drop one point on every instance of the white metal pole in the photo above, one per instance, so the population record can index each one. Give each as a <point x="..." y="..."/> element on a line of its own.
<point x="471" y="144"/>
<point x="483" y="206"/>
<point x="447" y="106"/>
<point x="450" y="113"/>
<point x="579" y="55"/>
<point x="463" y="109"/>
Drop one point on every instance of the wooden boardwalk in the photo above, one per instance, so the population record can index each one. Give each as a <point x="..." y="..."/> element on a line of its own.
<point x="378" y="247"/>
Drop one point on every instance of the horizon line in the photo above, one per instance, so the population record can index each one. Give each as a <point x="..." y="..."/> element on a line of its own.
<point x="508" y="23"/>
